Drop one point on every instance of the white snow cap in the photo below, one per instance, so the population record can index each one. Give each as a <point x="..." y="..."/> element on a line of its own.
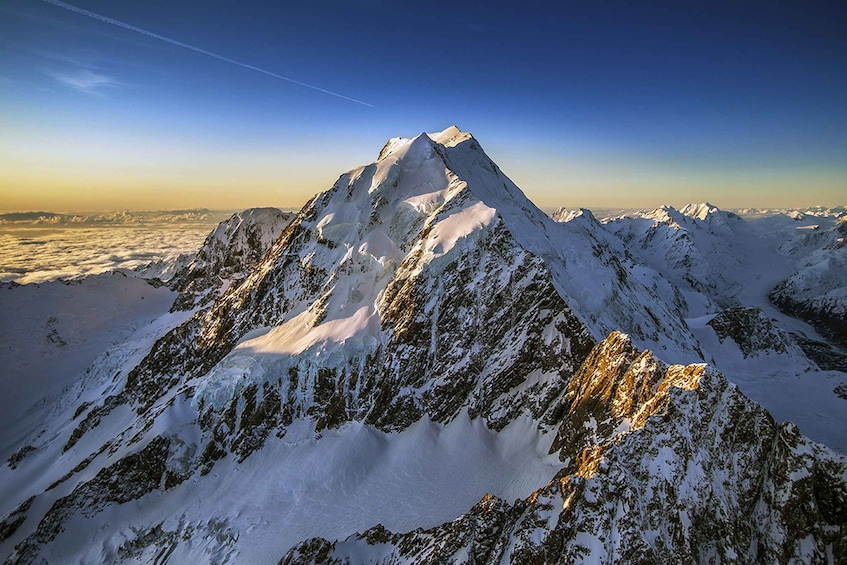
<point x="700" y="211"/>
<point x="451" y="136"/>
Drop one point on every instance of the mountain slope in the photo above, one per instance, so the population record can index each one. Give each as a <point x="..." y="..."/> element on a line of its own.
<point x="50" y="332"/>
<point x="227" y="254"/>
<point x="722" y="268"/>
<point x="817" y="292"/>
<point x="662" y="464"/>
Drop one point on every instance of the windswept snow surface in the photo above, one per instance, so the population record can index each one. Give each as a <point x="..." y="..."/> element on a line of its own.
<point x="51" y="332"/>
<point x="344" y="482"/>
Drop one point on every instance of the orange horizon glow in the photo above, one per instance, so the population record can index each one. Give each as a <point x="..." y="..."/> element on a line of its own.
<point x="229" y="189"/>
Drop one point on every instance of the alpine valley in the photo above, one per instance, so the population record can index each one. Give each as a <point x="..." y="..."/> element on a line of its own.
<point x="421" y="366"/>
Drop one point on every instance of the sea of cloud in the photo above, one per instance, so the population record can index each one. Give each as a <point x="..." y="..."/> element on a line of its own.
<point x="42" y="246"/>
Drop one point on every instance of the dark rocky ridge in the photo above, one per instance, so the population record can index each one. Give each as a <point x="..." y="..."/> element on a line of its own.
<point x="825" y="315"/>
<point x="229" y="252"/>
<point x="750" y="329"/>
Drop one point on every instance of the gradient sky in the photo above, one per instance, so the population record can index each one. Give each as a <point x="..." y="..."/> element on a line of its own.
<point x="581" y="104"/>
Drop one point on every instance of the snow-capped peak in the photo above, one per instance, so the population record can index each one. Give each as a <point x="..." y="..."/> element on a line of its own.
<point x="665" y="214"/>
<point x="690" y="214"/>
<point x="228" y="253"/>
<point x="700" y="211"/>
<point x="565" y="215"/>
<point x="449" y="137"/>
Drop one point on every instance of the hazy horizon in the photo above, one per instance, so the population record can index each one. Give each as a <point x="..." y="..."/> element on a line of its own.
<point x="546" y="209"/>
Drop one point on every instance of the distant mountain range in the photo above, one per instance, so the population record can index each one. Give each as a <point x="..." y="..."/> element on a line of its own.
<point x="123" y="217"/>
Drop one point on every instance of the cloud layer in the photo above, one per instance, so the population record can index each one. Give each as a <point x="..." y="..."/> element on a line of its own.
<point x="52" y="246"/>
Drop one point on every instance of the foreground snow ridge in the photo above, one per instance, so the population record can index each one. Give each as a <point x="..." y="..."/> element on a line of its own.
<point x="421" y="342"/>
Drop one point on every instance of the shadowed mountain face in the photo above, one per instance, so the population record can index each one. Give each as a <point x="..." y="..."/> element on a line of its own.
<point x="817" y="292"/>
<point x="420" y="310"/>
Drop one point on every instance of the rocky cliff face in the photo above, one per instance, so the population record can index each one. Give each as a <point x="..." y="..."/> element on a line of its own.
<point x="661" y="464"/>
<point x="228" y="254"/>
<point x="751" y="330"/>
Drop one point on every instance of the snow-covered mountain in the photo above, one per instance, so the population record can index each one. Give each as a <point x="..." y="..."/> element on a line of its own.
<point x="699" y="248"/>
<point x="797" y="214"/>
<point x="418" y="337"/>
<point x="817" y="292"/>
<point x="722" y="269"/>
<point x="229" y="253"/>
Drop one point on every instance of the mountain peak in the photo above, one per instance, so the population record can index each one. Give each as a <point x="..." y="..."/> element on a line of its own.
<point x="458" y="164"/>
<point x="700" y="211"/>
<point x="450" y="137"/>
<point x="665" y="214"/>
<point x="234" y="247"/>
<point x="567" y="215"/>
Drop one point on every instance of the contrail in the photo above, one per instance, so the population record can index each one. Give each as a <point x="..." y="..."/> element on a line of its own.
<point x="197" y="49"/>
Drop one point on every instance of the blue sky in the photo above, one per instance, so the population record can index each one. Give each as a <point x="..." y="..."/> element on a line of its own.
<point x="582" y="104"/>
